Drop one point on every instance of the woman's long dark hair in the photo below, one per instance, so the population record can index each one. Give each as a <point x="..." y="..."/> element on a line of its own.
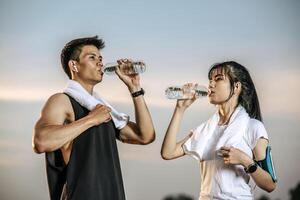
<point x="238" y="73"/>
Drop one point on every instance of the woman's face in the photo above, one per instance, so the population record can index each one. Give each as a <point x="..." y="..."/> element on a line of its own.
<point x="218" y="88"/>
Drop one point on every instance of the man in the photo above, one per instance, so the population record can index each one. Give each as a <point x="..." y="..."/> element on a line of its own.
<point x="81" y="154"/>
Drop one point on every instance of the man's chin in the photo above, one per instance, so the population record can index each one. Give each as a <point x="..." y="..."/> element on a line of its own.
<point x="99" y="80"/>
<point x="96" y="81"/>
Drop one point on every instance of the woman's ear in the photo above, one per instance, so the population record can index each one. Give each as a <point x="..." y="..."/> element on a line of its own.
<point x="237" y="88"/>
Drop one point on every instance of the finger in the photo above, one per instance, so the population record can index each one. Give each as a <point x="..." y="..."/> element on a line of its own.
<point x="118" y="70"/>
<point x="226" y="161"/>
<point x="108" y="109"/>
<point x="225" y="154"/>
<point x="125" y="61"/>
<point x="107" y="115"/>
<point x="195" y="96"/>
<point x="222" y="153"/>
<point x="102" y="106"/>
<point x="122" y="61"/>
<point x="225" y="148"/>
<point x="128" y="61"/>
<point x="108" y="119"/>
<point x="99" y="106"/>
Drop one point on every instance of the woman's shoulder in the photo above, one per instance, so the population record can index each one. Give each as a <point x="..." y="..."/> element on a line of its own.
<point x="255" y="124"/>
<point x="256" y="130"/>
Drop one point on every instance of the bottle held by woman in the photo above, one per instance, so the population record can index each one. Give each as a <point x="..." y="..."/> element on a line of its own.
<point x="185" y="92"/>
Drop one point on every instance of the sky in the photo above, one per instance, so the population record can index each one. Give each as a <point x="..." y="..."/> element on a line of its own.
<point x="179" y="41"/>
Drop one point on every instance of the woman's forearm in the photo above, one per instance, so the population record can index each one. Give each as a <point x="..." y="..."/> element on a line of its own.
<point x="169" y="148"/>
<point x="263" y="180"/>
<point x="261" y="177"/>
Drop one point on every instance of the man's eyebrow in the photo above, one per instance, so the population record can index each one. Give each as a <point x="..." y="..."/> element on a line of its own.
<point x="93" y="54"/>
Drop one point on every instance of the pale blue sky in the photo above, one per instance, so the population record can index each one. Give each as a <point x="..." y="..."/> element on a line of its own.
<point x="179" y="41"/>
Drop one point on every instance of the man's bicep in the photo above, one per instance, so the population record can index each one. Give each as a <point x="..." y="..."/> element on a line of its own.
<point x="54" y="112"/>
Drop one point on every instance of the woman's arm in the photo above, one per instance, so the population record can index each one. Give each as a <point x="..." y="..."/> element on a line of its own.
<point x="262" y="178"/>
<point x="235" y="156"/>
<point x="172" y="149"/>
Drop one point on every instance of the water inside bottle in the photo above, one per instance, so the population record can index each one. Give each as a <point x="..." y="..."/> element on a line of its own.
<point x="109" y="69"/>
<point x="135" y="67"/>
<point x="181" y="92"/>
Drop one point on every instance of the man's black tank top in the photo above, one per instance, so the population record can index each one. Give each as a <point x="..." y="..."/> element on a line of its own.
<point x="93" y="171"/>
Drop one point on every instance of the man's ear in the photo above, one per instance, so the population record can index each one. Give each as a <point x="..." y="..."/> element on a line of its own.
<point x="72" y="65"/>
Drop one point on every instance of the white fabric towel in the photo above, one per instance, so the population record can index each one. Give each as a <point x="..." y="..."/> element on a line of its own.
<point x="75" y="90"/>
<point x="233" y="134"/>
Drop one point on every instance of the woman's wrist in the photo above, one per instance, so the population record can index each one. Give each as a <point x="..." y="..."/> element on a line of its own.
<point x="246" y="161"/>
<point x="180" y="109"/>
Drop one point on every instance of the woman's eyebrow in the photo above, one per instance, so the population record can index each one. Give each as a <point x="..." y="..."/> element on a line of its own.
<point x="217" y="75"/>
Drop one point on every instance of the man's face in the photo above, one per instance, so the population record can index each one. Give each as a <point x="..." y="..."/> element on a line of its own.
<point x="90" y="63"/>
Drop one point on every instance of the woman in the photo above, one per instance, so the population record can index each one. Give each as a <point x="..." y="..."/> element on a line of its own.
<point x="231" y="142"/>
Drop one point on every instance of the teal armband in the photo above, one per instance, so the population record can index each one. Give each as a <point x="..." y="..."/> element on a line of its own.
<point x="267" y="164"/>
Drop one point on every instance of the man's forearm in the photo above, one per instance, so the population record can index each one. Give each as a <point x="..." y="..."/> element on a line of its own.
<point x="143" y="118"/>
<point x="49" y="138"/>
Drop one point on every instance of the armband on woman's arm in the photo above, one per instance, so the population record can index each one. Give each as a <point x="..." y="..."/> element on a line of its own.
<point x="267" y="164"/>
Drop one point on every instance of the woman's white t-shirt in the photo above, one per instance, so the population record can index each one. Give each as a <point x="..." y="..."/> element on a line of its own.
<point x="220" y="181"/>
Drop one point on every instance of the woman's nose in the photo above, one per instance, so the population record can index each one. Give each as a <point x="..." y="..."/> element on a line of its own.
<point x="211" y="84"/>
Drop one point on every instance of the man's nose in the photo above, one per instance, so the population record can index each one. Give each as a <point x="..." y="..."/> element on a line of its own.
<point x="100" y="63"/>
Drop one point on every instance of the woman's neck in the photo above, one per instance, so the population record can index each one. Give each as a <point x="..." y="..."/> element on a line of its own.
<point x="225" y="111"/>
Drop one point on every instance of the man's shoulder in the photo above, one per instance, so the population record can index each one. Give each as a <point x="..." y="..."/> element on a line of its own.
<point x="58" y="98"/>
<point x="59" y="101"/>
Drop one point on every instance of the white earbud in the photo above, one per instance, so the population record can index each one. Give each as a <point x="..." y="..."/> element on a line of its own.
<point x="75" y="67"/>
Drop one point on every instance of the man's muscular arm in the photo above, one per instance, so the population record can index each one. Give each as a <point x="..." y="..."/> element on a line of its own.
<point x="51" y="132"/>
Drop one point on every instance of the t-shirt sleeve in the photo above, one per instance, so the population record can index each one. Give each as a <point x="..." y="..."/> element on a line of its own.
<point x="191" y="146"/>
<point x="256" y="131"/>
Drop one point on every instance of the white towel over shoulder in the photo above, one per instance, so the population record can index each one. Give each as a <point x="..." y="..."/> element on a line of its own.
<point x="76" y="91"/>
<point x="233" y="134"/>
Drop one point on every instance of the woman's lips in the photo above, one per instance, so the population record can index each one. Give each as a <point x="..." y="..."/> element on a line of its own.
<point x="210" y="93"/>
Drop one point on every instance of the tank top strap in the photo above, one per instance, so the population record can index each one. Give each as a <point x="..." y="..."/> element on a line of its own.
<point x="79" y="111"/>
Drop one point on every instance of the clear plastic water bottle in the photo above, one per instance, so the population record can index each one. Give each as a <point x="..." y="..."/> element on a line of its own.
<point x="135" y="67"/>
<point x="185" y="92"/>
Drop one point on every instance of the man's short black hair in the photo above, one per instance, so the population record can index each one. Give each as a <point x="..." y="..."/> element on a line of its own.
<point x="72" y="50"/>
